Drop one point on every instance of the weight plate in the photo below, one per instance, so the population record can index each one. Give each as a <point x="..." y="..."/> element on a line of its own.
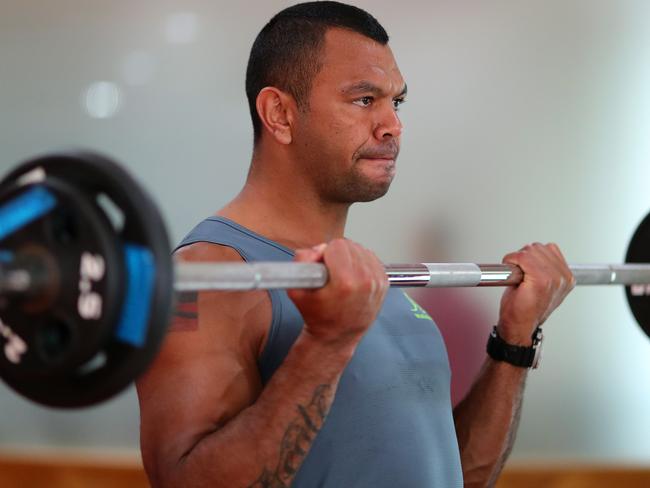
<point x="65" y="324"/>
<point x="139" y="231"/>
<point x="638" y="296"/>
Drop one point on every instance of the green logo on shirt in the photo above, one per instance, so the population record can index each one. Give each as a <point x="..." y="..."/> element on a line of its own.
<point x="418" y="311"/>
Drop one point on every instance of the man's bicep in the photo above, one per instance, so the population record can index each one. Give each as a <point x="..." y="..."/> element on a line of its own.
<point x="205" y="374"/>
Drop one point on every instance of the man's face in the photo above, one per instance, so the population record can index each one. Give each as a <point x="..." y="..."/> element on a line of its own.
<point x="349" y="138"/>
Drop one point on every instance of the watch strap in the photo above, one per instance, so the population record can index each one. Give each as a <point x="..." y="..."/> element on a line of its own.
<point x="521" y="356"/>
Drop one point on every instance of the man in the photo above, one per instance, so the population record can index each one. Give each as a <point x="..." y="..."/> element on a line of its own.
<point x="347" y="385"/>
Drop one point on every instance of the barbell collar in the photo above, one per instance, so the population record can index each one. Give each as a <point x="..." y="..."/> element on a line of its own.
<point x="14" y="280"/>
<point x="28" y="276"/>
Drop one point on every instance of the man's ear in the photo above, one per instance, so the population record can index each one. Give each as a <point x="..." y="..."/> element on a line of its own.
<point x="276" y="110"/>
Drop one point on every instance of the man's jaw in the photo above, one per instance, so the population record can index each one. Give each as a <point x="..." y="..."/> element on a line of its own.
<point x="380" y="166"/>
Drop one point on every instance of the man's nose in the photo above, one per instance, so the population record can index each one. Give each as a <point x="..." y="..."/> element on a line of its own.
<point x="388" y="123"/>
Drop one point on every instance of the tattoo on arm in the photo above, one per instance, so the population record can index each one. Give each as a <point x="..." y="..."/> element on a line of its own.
<point x="297" y="440"/>
<point x="186" y="315"/>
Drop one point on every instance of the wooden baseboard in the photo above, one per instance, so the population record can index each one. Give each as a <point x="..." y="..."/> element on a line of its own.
<point x="72" y="470"/>
<point x="574" y="476"/>
<point x="97" y="470"/>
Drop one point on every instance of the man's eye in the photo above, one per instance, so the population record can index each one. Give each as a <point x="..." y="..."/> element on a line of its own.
<point x="397" y="102"/>
<point x="364" y="101"/>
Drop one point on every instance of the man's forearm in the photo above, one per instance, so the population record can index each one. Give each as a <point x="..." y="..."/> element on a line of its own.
<point x="486" y="421"/>
<point x="265" y="444"/>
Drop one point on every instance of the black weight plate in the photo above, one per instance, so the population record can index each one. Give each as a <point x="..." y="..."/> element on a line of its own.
<point x="68" y="322"/>
<point x="638" y="296"/>
<point x="140" y="231"/>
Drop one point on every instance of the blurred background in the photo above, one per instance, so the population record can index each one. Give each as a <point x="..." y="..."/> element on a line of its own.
<point x="525" y="121"/>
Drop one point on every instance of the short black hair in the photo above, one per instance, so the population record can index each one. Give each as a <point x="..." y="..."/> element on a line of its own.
<point x="286" y="52"/>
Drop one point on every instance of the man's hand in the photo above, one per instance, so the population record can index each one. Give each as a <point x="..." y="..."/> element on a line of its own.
<point x="547" y="281"/>
<point x="343" y="310"/>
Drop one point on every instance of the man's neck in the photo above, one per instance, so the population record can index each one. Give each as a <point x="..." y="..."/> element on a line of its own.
<point x="285" y="210"/>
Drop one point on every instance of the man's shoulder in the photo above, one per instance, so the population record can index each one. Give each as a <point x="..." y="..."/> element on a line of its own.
<point x="206" y="251"/>
<point x="225" y="314"/>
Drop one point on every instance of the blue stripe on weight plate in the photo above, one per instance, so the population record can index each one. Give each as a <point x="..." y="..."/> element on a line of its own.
<point x="24" y="209"/>
<point x="141" y="274"/>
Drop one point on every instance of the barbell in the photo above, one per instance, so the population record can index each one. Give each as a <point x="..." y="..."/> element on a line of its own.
<point x="87" y="282"/>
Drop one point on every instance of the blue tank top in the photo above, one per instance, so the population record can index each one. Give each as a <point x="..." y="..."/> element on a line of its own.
<point x="391" y="423"/>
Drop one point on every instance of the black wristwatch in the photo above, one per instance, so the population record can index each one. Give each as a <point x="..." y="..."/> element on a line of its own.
<point x="524" y="357"/>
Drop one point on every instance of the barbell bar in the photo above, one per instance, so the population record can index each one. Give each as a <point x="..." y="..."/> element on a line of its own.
<point x="215" y="276"/>
<point x="207" y="276"/>
<point x="87" y="280"/>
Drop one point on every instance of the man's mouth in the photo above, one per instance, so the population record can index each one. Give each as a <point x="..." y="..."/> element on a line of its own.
<point x="387" y="157"/>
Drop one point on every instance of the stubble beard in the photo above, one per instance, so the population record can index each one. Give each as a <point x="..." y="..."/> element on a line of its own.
<point x="354" y="186"/>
